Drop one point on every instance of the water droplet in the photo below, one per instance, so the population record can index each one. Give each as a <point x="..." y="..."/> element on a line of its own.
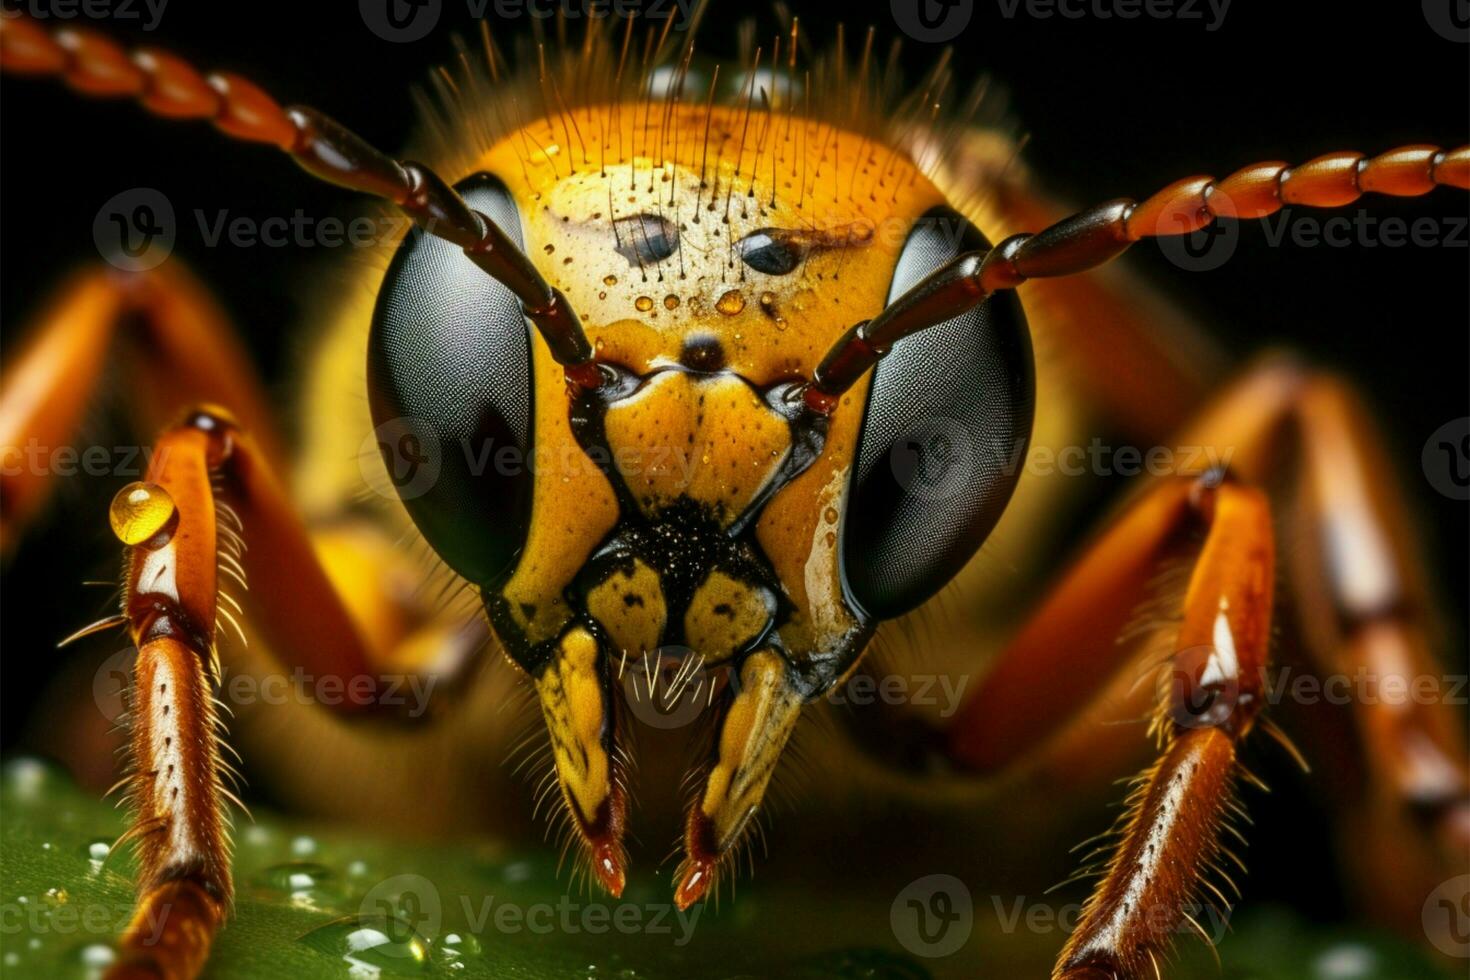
<point x="56" y="896"/>
<point x="671" y="302"/>
<point x="768" y="307"/>
<point x="644" y="303"/>
<point x="460" y="944"/>
<point x="139" y="511"/>
<point x="11" y="959"/>
<point x="357" y="869"/>
<point x="1347" y="961"/>
<point x="302" y="883"/>
<point x="26" y="778"/>
<point x="95" y="958"/>
<point x="376" y="942"/>
<point x="731" y="303"/>
<point x="97" y="850"/>
<point x="609" y="280"/>
<point x="303" y="846"/>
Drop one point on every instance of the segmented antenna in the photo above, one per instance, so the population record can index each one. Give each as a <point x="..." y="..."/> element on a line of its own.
<point x="167" y="86"/>
<point x="1099" y="234"/>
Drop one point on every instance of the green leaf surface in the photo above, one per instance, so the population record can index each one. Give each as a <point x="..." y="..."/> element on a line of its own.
<point x="330" y="902"/>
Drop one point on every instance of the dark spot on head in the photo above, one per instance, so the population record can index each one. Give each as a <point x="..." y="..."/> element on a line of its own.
<point x="632" y="599"/>
<point x="770" y="252"/>
<point x="645" y="238"/>
<point x="702" y="353"/>
<point x="724" y="609"/>
<point x="528" y="610"/>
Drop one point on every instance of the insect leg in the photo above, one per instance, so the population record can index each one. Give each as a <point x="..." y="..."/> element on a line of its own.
<point x="1386" y="715"/>
<point x="168" y="527"/>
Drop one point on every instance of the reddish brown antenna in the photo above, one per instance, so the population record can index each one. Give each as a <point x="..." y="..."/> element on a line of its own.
<point x="168" y="86"/>
<point x="1092" y="237"/>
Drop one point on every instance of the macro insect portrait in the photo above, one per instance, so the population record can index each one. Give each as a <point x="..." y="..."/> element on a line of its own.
<point x="657" y="489"/>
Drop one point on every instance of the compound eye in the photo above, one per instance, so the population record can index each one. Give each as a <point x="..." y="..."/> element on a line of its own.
<point x="946" y="431"/>
<point x="771" y="252"/>
<point x="450" y="387"/>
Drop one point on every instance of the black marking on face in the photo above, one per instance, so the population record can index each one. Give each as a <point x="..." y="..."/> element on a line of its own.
<point x="780" y="251"/>
<point x="645" y="239"/>
<point x="682" y="546"/>
<point x="771" y="251"/>
<point x="702" y="353"/>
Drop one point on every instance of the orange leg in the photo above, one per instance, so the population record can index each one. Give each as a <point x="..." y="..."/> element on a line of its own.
<point x="210" y="487"/>
<point x="1363" y="611"/>
<point x="1170" y="841"/>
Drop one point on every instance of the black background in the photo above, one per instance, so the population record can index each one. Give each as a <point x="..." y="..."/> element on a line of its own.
<point x="1113" y="107"/>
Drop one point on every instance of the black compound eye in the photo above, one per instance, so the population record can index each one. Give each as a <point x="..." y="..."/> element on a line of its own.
<point x="449" y="383"/>
<point x="771" y="252"/>
<point x="944" y="439"/>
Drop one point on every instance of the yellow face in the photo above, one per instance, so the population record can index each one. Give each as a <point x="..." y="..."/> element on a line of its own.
<point x="692" y="510"/>
<point x="710" y="269"/>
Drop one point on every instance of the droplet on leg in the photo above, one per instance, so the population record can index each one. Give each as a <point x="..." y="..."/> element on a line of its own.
<point x="139" y="511"/>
